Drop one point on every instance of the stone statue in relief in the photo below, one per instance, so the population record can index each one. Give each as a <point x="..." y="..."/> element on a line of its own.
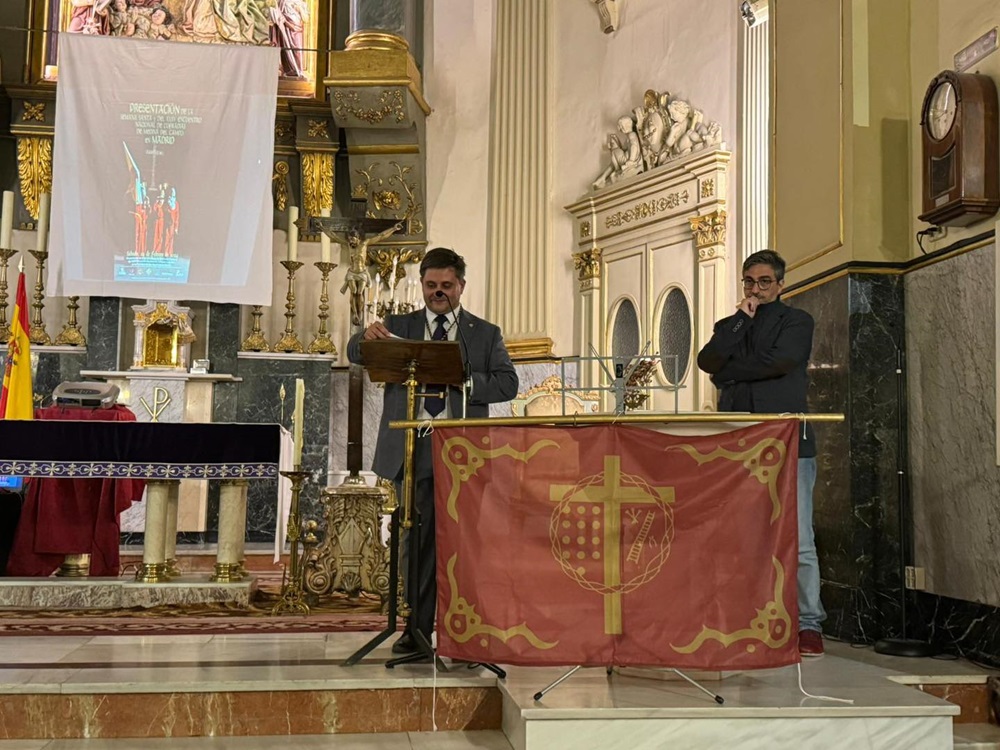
<point x="661" y="129"/>
<point x="652" y="123"/>
<point x="626" y="156"/>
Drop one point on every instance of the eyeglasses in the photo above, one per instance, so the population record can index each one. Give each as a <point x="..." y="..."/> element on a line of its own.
<point x="762" y="284"/>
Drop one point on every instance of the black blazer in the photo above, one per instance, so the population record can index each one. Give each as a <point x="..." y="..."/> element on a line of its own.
<point x="762" y="362"/>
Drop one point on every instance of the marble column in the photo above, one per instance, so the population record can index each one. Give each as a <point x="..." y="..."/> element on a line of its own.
<point x="232" y="513"/>
<point x="710" y="242"/>
<point x="241" y="540"/>
<point x="154" y="566"/>
<point x="102" y="333"/>
<point x="518" y="294"/>
<point x="395" y="17"/>
<point x="170" y="530"/>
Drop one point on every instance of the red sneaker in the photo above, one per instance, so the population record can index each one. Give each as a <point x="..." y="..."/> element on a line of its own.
<point x="810" y="643"/>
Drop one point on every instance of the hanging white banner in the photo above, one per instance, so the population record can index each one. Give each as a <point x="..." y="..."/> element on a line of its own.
<point x="161" y="178"/>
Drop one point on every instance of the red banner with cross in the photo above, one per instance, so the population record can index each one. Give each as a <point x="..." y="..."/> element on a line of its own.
<point x="617" y="545"/>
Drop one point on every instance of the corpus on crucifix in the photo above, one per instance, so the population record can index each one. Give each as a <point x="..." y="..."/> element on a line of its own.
<point x="354" y="232"/>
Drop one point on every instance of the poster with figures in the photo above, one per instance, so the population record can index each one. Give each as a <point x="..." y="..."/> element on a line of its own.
<point x="161" y="178"/>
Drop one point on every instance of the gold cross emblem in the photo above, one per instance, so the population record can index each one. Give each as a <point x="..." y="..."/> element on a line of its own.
<point x="608" y="498"/>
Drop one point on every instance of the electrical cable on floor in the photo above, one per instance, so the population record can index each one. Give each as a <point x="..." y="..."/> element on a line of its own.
<point x="434" y="692"/>
<point x="802" y="690"/>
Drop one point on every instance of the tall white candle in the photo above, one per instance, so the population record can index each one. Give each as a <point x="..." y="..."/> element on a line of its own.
<point x="377" y="289"/>
<point x="297" y="417"/>
<point x="324" y="239"/>
<point x="43" y="222"/>
<point x="7" y="219"/>
<point x="293" y="233"/>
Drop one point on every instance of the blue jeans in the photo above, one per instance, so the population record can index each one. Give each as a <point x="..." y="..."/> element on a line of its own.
<point x="811" y="612"/>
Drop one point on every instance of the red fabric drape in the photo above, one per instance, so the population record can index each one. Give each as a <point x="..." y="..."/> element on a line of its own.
<point x="73" y="516"/>
<point x="614" y="545"/>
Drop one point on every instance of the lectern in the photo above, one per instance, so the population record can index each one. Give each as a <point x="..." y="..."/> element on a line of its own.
<point x="408" y="362"/>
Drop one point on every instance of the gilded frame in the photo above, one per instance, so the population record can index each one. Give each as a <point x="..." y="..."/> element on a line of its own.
<point x="198" y="21"/>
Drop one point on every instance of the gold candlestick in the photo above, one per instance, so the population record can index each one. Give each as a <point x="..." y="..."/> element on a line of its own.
<point x="289" y="342"/>
<point x="322" y="343"/>
<point x="293" y="596"/>
<point x="71" y="334"/>
<point x="255" y="341"/>
<point x="37" y="334"/>
<point x="5" y="256"/>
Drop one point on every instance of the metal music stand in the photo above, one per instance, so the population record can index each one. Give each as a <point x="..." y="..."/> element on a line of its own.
<point x="408" y="362"/>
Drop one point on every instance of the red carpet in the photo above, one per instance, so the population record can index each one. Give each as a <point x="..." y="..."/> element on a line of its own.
<point x="189" y="625"/>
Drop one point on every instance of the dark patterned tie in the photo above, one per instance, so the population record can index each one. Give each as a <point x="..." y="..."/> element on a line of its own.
<point x="435" y="405"/>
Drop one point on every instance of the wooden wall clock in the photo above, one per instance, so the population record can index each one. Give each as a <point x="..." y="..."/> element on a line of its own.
<point x="961" y="160"/>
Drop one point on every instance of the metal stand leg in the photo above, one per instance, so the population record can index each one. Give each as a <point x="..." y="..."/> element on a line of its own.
<point x="425" y="651"/>
<point x="390" y="626"/>
<point x="714" y="696"/>
<point x="540" y="694"/>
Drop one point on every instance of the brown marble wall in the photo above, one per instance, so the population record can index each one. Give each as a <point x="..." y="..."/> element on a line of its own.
<point x="974" y="700"/>
<point x="245" y="714"/>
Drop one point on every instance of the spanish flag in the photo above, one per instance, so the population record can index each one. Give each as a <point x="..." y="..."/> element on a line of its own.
<point x="16" y="400"/>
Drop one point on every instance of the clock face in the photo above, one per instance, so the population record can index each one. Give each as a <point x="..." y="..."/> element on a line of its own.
<point x="941" y="113"/>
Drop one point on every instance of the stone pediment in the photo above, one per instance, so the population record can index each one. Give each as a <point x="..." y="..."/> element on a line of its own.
<point x="692" y="185"/>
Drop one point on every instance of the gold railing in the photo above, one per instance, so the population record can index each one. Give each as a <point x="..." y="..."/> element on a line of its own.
<point x="578" y="420"/>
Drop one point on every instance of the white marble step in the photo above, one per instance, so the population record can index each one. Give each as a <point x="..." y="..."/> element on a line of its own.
<point x="491" y="740"/>
<point x="977" y="737"/>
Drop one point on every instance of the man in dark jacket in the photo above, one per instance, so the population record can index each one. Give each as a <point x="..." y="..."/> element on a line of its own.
<point x="492" y="379"/>
<point x="757" y="359"/>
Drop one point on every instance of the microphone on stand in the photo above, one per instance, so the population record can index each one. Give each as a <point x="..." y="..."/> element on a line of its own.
<point x="464" y="346"/>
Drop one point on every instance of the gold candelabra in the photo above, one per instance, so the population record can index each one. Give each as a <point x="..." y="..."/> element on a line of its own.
<point x="255" y="341"/>
<point x="71" y="334"/>
<point x="289" y="341"/>
<point x="322" y="343"/>
<point x="5" y="256"/>
<point x="37" y="334"/>
<point x="293" y="595"/>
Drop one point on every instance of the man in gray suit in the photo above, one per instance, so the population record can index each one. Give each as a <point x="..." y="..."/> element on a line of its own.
<point x="491" y="378"/>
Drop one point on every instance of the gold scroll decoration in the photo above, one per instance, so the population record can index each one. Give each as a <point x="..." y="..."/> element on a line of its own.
<point x="463" y="460"/>
<point x="383" y="257"/>
<point x="764" y="462"/>
<point x="772" y="626"/>
<point x="463" y="623"/>
<point x="34" y="170"/>
<point x="388" y="103"/>
<point x="387" y="193"/>
<point x="279" y="186"/>
<point x="588" y="264"/>
<point x="317" y="181"/>
<point x="709" y="233"/>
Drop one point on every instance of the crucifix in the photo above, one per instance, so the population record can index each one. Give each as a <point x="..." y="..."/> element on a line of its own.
<point x="353" y="231"/>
